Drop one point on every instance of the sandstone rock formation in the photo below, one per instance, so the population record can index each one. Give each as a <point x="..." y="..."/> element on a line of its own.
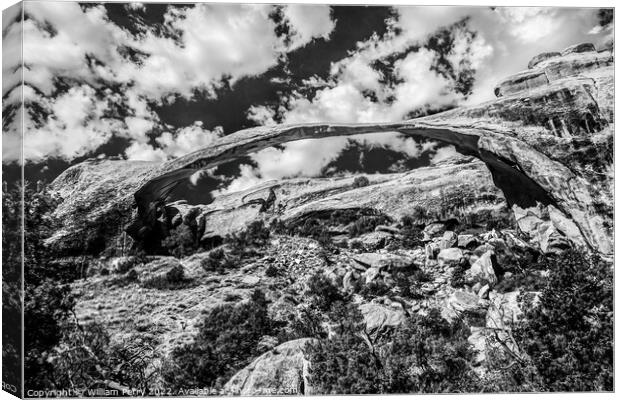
<point x="282" y="370"/>
<point x="524" y="138"/>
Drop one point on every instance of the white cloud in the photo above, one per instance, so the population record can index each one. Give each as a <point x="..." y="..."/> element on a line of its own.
<point x="11" y="48"/>
<point x="529" y="24"/>
<point x="199" y="47"/>
<point x="309" y="157"/>
<point x="76" y="124"/>
<point x="183" y="141"/>
<point x="144" y="152"/>
<point x="443" y="154"/>
<point x="215" y="40"/>
<point x="188" y="139"/>
<point x="308" y="22"/>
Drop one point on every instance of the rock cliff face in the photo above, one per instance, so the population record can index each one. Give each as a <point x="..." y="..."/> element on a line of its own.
<point x="532" y="139"/>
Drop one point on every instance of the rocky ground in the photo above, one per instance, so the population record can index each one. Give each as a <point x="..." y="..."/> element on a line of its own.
<point x="462" y="277"/>
<point x="462" y="236"/>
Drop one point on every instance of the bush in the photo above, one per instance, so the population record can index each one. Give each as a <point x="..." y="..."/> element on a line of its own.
<point x="411" y="232"/>
<point x="457" y="279"/>
<point x="317" y="226"/>
<point x="174" y="278"/>
<point x="226" y="342"/>
<point x="272" y="271"/>
<point x="360" y="181"/>
<point x="87" y="357"/>
<point x="309" y="323"/>
<point x="374" y="289"/>
<point x="218" y="261"/>
<point x="256" y="234"/>
<point x="356" y="245"/>
<point x="522" y="280"/>
<point x="424" y="355"/>
<point x="569" y="332"/>
<point x="322" y="292"/>
<point x="181" y="242"/>
<point x="410" y="285"/>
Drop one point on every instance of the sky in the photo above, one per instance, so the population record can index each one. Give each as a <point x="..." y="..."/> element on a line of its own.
<point x="157" y="81"/>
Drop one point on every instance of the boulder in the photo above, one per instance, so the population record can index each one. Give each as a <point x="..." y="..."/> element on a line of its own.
<point x="382" y="260"/>
<point x="450" y="256"/>
<point x="121" y="265"/>
<point x="448" y="240"/>
<point x="579" y="48"/>
<point x="542" y="57"/>
<point x="466" y="241"/>
<point x="462" y="302"/>
<point x="431" y="250"/>
<point x="502" y="315"/>
<point x="477" y="339"/>
<point x="371" y="274"/>
<point x="566" y="226"/>
<point x="483" y="248"/>
<point x="349" y="281"/>
<point x="378" y="316"/>
<point x="482" y="271"/>
<point x="387" y="229"/>
<point x="504" y="310"/>
<point x="550" y="239"/>
<point x="483" y="293"/>
<point x="375" y="240"/>
<point x="432" y="230"/>
<point x="281" y="371"/>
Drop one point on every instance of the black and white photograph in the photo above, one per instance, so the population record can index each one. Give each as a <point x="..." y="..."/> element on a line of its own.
<point x="235" y="199"/>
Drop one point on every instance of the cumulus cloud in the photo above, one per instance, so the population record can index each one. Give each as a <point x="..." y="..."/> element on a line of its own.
<point x="196" y="49"/>
<point x="443" y="154"/>
<point x="309" y="157"/>
<point x="171" y="145"/>
<point x="95" y="80"/>
<point x="76" y="123"/>
<point x="308" y="22"/>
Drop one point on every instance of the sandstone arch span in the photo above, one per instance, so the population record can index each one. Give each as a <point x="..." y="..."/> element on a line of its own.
<point x="525" y="175"/>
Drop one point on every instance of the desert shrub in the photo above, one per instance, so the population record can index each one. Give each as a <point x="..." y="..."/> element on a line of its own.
<point x="360" y="181"/>
<point x="457" y="279"/>
<point x="218" y="261"/>
<point x="344" y="363"/>
<point x="308" y="323"/>
<point x="409" y="285"/>
<point x="226" y="342"/>
<point x="256" y="234"/>
<point x="428" y="354"/>
<point x="425" y="354"/>
<point x="522" y="280"/>
<point x="356" y="245"/>
<point x="48" y="301"/>
<point x="87" y="357"/>
<point x="357" y="222"/>
<point x="174" y="278"/>
<point x="569" y="332"/>
<point x="272" y="271"/>
<point x="365" y="224"/>
<point x="411" y="232"/>
<point x="181" y="242"/>
<point x="322" y="292"/>
<point x="374" y="289"/>
<point x="314" y="228"/>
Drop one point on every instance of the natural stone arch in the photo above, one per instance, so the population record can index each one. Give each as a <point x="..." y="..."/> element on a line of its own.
<point x="524" y="174"/>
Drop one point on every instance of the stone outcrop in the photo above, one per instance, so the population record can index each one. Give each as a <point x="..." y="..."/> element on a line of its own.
<point x="558" y="99"/>
<point x="281" y="371"/>
<point x="378" y="317"/>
